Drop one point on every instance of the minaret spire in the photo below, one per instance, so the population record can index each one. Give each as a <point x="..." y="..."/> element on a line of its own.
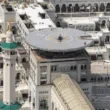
<point x="9" y="32"/>
<point x="9" y="25"/>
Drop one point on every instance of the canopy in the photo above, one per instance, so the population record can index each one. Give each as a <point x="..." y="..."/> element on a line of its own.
<point x="15" y="106"/>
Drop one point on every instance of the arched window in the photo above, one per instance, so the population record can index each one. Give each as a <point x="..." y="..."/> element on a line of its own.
<point x="14" y="29"/>
<point x="75" y="67"/>
<point x="85" y="67"/>
<point x="2" y="83"/>
<point x="89" y="7"/>
<point x="108" y="7"/>
<point x="82" y="67"/>
<point x="71" y="68"/>
<point x="98" y="78"/>
<point x="34" y="103"/>
<point x="103" y="24"/>
<point x="91" y="78"/>
<point x="57" y="8"/>
<point x="101" y="79"/>
<point x="76" y="8"/>
<point x="105" y="79"/>
<point x="52" y="106"/>
<point x="18" y="76"/>
<point x="95" y="7"/>
<point x="83" y="8"/>
<point x="0" y="27"/>
<point x="107" y="39"/>
<point x="58" y="24"/>
<point x="70" y="8"/>
<point x="102" y="7"/>
<point x="63" y="8"/>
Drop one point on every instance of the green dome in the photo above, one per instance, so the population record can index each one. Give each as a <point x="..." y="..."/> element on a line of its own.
<point x="15" y="106"/>
<point x="11" y="45"/>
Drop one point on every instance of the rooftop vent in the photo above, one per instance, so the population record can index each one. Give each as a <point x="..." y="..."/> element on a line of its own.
<point x="9" y="8"/>
<point x="42" y="15"/>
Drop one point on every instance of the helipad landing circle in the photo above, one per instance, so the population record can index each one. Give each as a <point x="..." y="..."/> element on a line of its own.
<point x="58" y="39"/>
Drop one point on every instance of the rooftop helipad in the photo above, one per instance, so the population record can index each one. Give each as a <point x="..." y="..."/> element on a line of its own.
<point x="58" y="39"/>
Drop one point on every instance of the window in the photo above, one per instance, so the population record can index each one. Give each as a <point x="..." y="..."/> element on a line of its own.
<point x="34" y="103"/>
<point x="43" y="82"/>
<point x="1" y="65"/>
<point x="52" y="106"/>
<point x="43" y="69"/>
<point x="85" y="67"/>
<point x="43" y="105"/>
<point x="53" y="68"/>
<point x="71" y="68"/>
<point x="43" y="76"/>
<point x="82" y="67"/>
<point x="30" y="97"/>
<point x="75" y="68"/>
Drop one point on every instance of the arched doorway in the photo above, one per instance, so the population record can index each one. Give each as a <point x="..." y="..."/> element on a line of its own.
<point x="83" y="8"/>
<point x="89" y="7"/>
<point x="70" y="8"/>
<point x="14" y="29"/>
<point x="103" y="24"/>
<point x="58" y="24"/>
<point x="108" y="7"/>
<point x="63" y="8"/>
<point x="76" y="8"/>
<point x="102" y="7"/>
<point x="23" y="60"/>
<point x="57" y="8"/>
<point x="107" y="39"/>
<point x="95" y="7"/>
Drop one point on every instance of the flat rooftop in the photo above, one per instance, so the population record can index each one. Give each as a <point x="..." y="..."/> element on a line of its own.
<point x="58" y="39"/>
<point x="95" y="35"/>
<point x="100" y="68"/>
<point x="36" y="14"/>
<point x="81" y="20"/>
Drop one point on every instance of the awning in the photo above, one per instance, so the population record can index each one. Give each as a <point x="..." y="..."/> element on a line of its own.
<point x="15" y="106"/>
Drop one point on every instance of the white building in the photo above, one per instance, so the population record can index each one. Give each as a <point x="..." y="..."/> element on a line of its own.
<point x="51" y="57"/>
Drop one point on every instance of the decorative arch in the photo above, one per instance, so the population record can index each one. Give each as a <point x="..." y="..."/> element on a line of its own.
<point x="57" y="8"/>
<point x="63" y="8"/>
<point x="70" y="8"/>
<point x="76" y="8"/>
<point x="102" y="7"/>
<point x="95" y="7"/>
<point x="108" y="7"/>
